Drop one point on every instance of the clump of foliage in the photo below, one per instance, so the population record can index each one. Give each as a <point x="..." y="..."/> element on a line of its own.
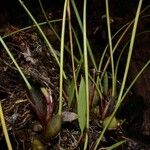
<point x="86" y="92"/>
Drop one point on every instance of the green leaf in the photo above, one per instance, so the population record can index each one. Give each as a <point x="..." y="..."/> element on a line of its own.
<point x="70" y="91"/>
<point x="70" y="87"/>
<point x="112" y="125"/>
<point x="82" y="105"/>
<point x="105" y="83"/>
<point x="114" y="146"/>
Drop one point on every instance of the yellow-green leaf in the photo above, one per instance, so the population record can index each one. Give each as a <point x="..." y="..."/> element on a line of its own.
<point x="105" y="83"/>
<point x="113" y="124"/>
<point x="82" y="105"/>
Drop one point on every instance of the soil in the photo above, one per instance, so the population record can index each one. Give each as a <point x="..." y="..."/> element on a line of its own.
<point x="25" y="117"/>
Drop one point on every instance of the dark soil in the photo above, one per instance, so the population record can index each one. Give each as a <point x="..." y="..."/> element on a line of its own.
<point x="41" y="69"/>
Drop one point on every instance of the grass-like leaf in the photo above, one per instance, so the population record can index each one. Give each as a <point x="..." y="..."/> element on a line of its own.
<point x="16" y="64"/>
<point x="62" y="57"/>
<point x="49" y="46"/>
<point x="29" y="27"/>
<point x="125" y="73"/>
<point x="2" y="121"/>
<point x="82" y="30"/>
<point x="114" y="146"/>
<point x="110" y="47"/>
